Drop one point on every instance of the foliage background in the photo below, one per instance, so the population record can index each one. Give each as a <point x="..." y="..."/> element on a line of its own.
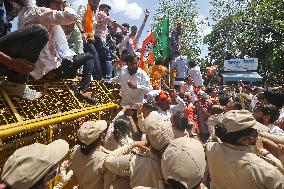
<point x="240" y="29"/>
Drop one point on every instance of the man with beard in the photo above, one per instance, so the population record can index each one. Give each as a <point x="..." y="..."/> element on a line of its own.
<point x="135" y="83"/>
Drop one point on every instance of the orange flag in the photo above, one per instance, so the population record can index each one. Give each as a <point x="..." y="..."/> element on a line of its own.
<point x="89" y="21"/>
<point x="147" y="51"/>
<point x="211" y="70"/>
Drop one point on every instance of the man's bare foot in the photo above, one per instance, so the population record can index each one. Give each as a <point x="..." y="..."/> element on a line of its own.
<point x="86" y="95"/>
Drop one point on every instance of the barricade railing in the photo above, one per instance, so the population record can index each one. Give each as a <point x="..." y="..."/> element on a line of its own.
<point x="56" y="114"/>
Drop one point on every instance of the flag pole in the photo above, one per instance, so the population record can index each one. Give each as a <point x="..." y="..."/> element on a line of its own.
<point x="169" y="50"/>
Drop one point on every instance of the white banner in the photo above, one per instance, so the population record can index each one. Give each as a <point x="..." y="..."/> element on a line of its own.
<point x="249" y="64"/>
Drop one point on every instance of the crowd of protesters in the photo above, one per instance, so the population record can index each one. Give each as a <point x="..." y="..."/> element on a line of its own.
<point x="185" y="136"/>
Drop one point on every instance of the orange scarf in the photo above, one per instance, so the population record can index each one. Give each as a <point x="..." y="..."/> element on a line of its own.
<point x="134" y="42"/>
<point x="89" y="21"/>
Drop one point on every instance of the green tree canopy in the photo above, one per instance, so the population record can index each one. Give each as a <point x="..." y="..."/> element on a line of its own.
<point x="249" y="28"/>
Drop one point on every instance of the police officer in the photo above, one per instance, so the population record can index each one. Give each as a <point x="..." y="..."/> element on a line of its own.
<point x="235" y="163"/>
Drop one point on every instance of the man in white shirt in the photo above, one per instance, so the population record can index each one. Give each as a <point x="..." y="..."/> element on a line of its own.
<point x="19" y="52"/>
<point x="57" y="47"/>
<point x="195" y="73"/>
<point x="180" y="64"/>
<point x="164" y="103"/>
<point x="135" y="83"/>
<point x="275" y="97"/>
<point x="127" y="42"/>
<point x="267" y="114"/>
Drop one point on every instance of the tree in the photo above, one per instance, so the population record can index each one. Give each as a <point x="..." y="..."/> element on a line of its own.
<point x="181" y="11"/>
<point x="249" y="28"/>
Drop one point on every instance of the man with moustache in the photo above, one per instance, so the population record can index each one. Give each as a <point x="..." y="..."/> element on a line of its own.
<point x="135" y="83"/>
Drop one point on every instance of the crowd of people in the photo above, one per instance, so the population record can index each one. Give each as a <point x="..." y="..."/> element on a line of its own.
<point x="185" y="136"/>
<point x="54" y="42"/>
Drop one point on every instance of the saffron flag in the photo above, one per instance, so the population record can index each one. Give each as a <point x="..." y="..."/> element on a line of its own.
<point x="147" y="51"/>
<point x="211" y="70"/>
<point x="155" y="47"/>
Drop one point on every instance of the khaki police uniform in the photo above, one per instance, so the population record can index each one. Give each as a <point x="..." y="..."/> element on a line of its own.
<point x="184" y="161"/>
<point x="110" y="143"/>
<point x="212" y="121"/>
<point x="275" y="138"/>
<point x="145" y="170"/>
<point x="27" y="165"/>
<point x="89" y="169"/>
<point x="233" y="166"/>
<point x="179" y="133"/>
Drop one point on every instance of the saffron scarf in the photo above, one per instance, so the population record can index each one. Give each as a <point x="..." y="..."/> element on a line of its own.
<point x="89" y="21"/>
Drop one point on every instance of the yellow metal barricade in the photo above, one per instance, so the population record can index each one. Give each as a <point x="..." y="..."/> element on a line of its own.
<point x="57" y="114"/>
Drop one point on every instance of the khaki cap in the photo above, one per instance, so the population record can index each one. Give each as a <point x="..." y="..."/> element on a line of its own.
<point x="158" y="129"/>
<point x="184" y="161"/>
<point x="237" y="120"/>
<point x="91" y="130"/>
<point x="27" y="165"/>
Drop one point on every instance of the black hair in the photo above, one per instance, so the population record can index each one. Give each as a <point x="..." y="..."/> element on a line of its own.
<point x="121" y="127"/>
<point x="231" y="138"/>
<point x="43" y="3"/>
<point x="181" y="121"/>
<point x="124" y="51"/>
<point x="87" y="149"/>
<point x="269" y="109"/>
<point x="188" y="77"/>
<point x="275" y="97"/>
<point x="159" y="62"/>
<point x="209" y="90"/>
<point x="125" y="25"/>
<point x="260" y="96"/>
<point x="131" y="57"/>
<point x="133" y="27"/>
<point x="192" y="63"/>
<point x="224" y="99"/>
<point x="150" y="106"/>
<point x="173" y="184"/>
<point x="102" y="6"/>
<point x="238" y="105"/>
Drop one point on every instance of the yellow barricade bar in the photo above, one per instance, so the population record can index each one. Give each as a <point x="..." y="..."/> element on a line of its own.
<point x="29" y="125"/>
